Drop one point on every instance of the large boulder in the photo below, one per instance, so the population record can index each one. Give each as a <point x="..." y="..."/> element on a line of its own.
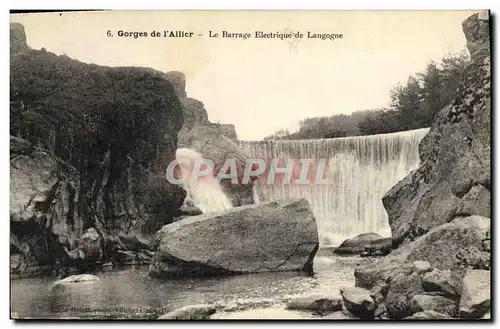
<point x="89" y="148"/>
<point x="363" y="242"/>
<point x="476" y="294"/>
<point x="440" y="304"/>
<point x="275" y="236"/>
<point x="455" y="244"/>
<point x="447" y="282"/>
<point x="455" y="154"/>
<point x="359" y="302"/>
<point x="401" y="291"/>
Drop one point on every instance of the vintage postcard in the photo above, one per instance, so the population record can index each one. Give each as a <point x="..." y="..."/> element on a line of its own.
<point x="218" y="165"/>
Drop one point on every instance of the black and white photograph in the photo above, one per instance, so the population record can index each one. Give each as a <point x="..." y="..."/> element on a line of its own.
<point x="220" y="165"/>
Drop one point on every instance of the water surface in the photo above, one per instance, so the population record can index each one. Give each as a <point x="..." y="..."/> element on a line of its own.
<point x="130" y="293"/>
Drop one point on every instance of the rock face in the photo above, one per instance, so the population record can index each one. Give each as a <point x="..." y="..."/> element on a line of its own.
<point x="214" y="141"/>
<point x="89" y="149"/>
<point x="455" y="155"/>
<point x="275" y="236"/>
<point x="476" y="294"/>
<point x="458" y="243"/>
<point x="439" y="214"/>
<point x="364" y="242"/>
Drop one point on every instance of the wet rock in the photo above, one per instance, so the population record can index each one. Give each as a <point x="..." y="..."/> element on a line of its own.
<point x="448" y="282"/>
<point x="369" y="242"/>
<point x="476" y="294"/>
<point x="321" y="304"/>
<point x="420" y="303"/>
<point x="274" y="236"/>
<point x="79" y="278"/>
<point x="475" y="202"/>
<point x="420" y="266"/>
<point x="358" y="302"/>
<point x="428" y="315"/>
<point x="401" y="291"/>
<point x="191" y="312"/>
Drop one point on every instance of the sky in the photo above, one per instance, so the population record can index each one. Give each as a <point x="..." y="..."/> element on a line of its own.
<point x="263" y="85"/>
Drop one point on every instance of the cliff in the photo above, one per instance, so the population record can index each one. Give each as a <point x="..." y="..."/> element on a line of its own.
<point x="454" y="178"/>
<point x="89" y="149"/>
<point x="215" y="141"/>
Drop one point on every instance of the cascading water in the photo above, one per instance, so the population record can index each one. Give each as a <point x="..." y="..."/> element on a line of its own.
<point x="362" y="169"/>
<point x="205" y="191"/>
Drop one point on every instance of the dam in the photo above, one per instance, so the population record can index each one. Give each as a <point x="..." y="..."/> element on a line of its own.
<point x="362" y="168"/>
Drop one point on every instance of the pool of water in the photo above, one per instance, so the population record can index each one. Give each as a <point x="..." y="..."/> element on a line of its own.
<point x="129" y="293"/>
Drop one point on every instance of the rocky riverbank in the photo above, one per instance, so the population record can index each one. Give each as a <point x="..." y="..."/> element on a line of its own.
<point x="440" y="213"/>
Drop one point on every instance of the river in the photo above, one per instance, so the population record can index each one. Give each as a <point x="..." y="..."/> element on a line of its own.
<point x="129" y="293"/>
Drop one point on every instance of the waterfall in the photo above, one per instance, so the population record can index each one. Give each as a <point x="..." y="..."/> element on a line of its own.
<point x="205" y="191"/>
<point x="362" y="168"/>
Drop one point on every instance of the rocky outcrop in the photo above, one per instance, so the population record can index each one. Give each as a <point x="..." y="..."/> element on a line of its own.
<point x="476" y="294"/>
<point x="214" y="141"/>
<point x="440" y="304"/>
<point x="369" y="242"/>
<point x="275" y="236"/>
<point x="455" y="154"/>
<point x="89" y="149"/>
<point x="359" y="302"/>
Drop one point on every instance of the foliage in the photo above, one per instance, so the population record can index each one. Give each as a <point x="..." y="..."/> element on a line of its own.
<point x="413" y="105"/>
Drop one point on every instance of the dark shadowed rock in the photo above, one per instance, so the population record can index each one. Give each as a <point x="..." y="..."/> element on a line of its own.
<point x="420" y="303"/>
<point x="321" y="304"/>
<point x="191" y="312"/>
<point x="455" y="154"/>
<point x="275" y="236"/>
<point x="401" y="291"/>
<point x="446" y="281"/>
<point x="475" y="202"/>
<point x="428" y="315"/>
<point x="89" y="149"/>
<point x="362" y="242"/>
<point x="358" y="302"/>
<point x="190" y="211"/>
<point x="476" y="294"/>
